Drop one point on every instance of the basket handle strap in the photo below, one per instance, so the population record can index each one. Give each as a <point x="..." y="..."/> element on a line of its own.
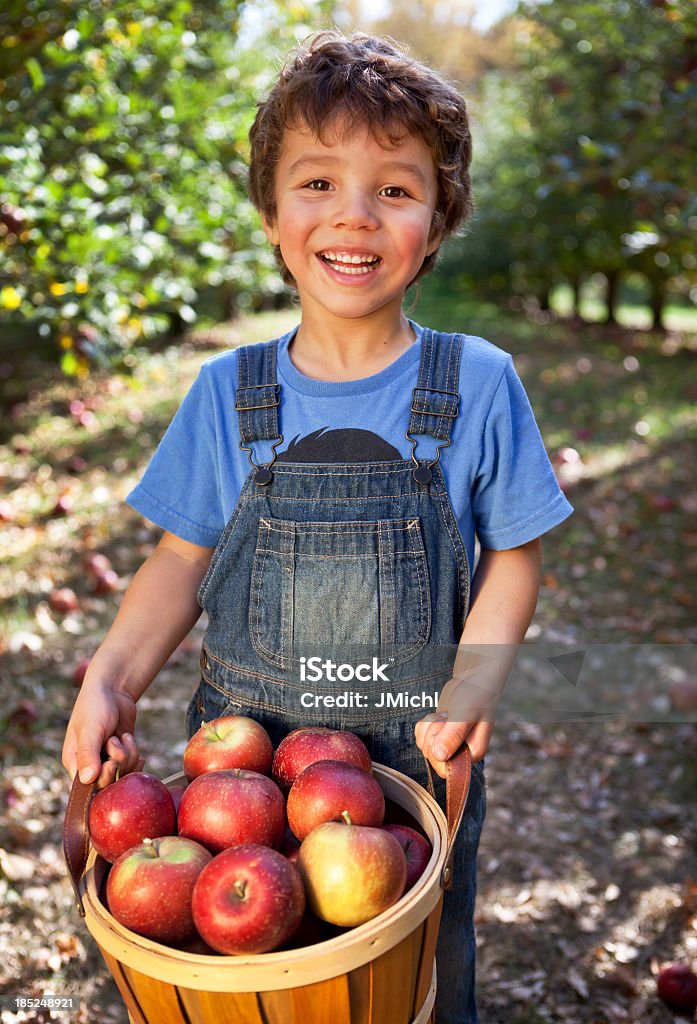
<point x="458" y="772"/>
<point x="76" y="840"/>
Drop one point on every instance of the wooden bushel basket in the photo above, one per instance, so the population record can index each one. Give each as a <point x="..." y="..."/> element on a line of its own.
<point x="381" y="972"/>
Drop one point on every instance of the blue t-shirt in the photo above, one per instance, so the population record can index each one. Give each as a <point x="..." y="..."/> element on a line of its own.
<point x="496" y="469"/>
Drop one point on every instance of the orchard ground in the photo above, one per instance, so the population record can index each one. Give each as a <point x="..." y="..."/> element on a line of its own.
<point x="588" y="864"/>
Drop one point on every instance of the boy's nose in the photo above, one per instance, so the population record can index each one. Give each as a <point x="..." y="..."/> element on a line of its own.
<point x="355" y="210"/>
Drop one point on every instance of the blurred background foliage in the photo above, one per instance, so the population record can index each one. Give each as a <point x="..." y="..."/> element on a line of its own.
<point x="123" y="146"/>
<point x="123" y="151"/>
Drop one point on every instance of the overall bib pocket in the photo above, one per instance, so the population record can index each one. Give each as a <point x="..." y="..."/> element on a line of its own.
<point x="325" y="585"/>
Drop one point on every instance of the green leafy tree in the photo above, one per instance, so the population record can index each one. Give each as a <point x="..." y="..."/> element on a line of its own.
<point x="594" y="164"/>
<point x="123" y="147"/>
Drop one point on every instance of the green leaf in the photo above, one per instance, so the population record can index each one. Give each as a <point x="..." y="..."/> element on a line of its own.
<point x="35" y="73"/>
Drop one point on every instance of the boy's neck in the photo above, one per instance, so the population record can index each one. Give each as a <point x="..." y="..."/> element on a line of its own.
<point x="352" y="350"/>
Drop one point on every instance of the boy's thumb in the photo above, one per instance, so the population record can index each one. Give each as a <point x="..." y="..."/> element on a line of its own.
<point x="449" y="740"/>
<point x="88" y="764"/>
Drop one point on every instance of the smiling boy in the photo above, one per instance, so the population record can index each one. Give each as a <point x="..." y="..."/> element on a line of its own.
<point x="379" y="451"/>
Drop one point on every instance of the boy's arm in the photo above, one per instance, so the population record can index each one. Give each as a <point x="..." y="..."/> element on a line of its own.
<point x="158" y="610"/>
<point x="504" y="596"/>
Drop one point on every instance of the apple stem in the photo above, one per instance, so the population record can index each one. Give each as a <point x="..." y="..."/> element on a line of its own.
<point x="347" y="817"/>
<point x="150" y="847"/>
<point x="211" y="730"/>
<point x="240" y="888"/>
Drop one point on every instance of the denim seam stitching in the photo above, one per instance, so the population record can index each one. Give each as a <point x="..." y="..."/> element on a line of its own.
<point x="257" y="642"/>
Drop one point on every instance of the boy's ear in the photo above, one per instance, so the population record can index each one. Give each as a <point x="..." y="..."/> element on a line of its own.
<point x="270" y="229"/>
<point x="435" y="238"/>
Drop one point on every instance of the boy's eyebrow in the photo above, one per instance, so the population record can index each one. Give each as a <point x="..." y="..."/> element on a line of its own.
<point x="322" y="161"/>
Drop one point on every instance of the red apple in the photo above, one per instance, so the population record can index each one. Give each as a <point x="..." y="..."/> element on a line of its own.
<point x="149" y="888"/>
<point x="232" y="806"/>
<point x="327" y="788"/>
<point x="249" y="899"/>
<point x="106" y="582"/>
<point x="63" y="600"/>
<point x="290" y="847"/>
<point x="177" y="791"/>
<point x="303" y="747"/>
<point x="677" y="987"/>
<point x="233" y="741"/>
<point x="351" y="873"/>
<point x="309" y="932"/>
<point x="135" y="807"/>
<point x="417" y="851"/>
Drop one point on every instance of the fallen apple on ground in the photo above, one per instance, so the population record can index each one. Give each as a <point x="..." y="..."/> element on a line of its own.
<point x="233" y="741"/>
<point x="325" y="789"/>
<point x="677" y="987"/>
<point x="150" y="887"/>
<point x="351" y="872"/>
<point x="63" y="600"/>
<point x="135" y="807"/>
<point x="417" y="851"/>
<point x="232" y="806"/>
<point x="302" y="747"/>
<point x="248" y="899"/>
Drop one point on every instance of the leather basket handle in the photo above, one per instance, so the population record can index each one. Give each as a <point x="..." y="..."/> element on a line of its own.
<point x="76" y="839"/>
<point x="458" y="772"/>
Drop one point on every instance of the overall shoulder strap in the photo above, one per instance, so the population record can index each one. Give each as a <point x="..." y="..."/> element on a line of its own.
<point x="258" y="393"/>
<point x="435" y="399"/>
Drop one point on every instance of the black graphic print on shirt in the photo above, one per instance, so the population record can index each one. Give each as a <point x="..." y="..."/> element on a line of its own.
<point x="345" y="444"/>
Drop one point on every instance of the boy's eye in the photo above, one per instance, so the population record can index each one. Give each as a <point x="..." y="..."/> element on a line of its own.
<point x="392" y="192"/>
<point x="318" y="185"/>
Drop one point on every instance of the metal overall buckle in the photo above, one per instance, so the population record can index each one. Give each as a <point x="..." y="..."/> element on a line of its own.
<point x="263" y="474"/>
<point x="423" y="474"/>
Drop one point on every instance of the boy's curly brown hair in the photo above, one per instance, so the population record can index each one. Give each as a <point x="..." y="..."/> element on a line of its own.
<point x="365" y="81"/>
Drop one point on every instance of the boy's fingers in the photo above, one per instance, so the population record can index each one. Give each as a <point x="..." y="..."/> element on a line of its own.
<point x="448" y="740"/>
<point x="107" y="775"/>
<point x="427" y="728"/>
<point x="88" y="763"/>
<point x="123" y="751"/>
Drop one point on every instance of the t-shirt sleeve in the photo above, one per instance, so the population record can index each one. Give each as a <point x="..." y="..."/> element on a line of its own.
<point x="179" y="490"/>
<point x="516" y="497"/>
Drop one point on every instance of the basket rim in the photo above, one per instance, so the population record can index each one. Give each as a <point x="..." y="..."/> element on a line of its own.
<point x="287" y="968"/>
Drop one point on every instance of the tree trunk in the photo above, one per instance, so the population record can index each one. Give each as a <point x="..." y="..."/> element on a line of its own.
<point x="176" y="325"/>
<point x="576" y="292"/>
<point x="613" y="281"/>
<point x="657" y="302"/>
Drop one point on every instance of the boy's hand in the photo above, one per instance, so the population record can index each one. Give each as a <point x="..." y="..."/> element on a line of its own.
<point x="466" y="711"/>
<point x="102" y="721"/>
<point x="439" y="739"/>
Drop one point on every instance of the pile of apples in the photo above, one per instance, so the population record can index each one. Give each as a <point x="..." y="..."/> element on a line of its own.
<point x="257" y="849"/>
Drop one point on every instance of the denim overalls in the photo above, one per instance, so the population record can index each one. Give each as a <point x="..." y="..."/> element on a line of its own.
<point x="347" y="560"/>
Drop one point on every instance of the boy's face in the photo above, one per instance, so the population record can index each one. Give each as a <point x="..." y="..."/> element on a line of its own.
<point x="353" y="219"/>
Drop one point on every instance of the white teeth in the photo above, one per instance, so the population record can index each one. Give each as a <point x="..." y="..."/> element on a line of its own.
<point x="339" y="257"/>
<point x="346" y="263"/>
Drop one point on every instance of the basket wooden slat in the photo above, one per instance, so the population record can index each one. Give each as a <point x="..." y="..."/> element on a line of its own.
<point x="392" y="990"/>
<point x="428" y="955"/>
<point x="134" y="1012"/>
<point x="227" y="1008"/>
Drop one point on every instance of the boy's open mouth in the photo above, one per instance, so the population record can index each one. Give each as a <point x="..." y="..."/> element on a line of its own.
<point x="350" y="263"/>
